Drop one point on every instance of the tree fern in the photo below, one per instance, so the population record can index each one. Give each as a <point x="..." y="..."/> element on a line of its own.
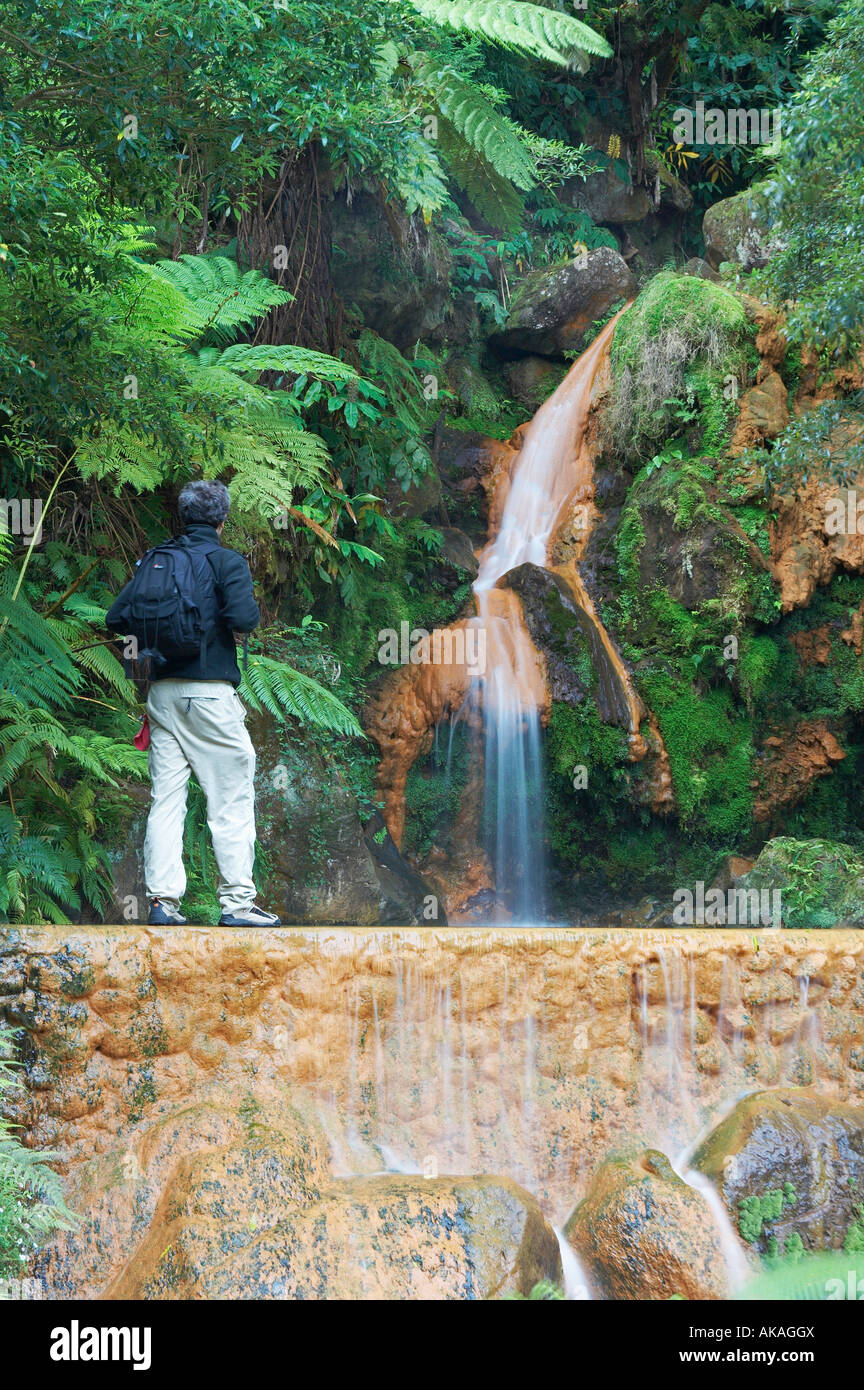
<point x="245" y="358"/>
<point x="525" y="28"/>
<point x="281" y="691"/>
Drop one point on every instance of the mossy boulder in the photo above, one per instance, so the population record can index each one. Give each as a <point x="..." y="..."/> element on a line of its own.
<point x="788" y="1164"/>
<point x="644" y="1234"/>
<point x="739" y="229"/>
<point x="553" y="308"/>
<point x="821" y="881"/>
<point x="673" y="355"/>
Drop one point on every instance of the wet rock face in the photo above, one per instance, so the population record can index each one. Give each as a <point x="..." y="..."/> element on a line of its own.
<point x="777" y="1138"/>
<point x="222" y="1103"/>
<point x="576" y="662"/>
<point x="646" y="1235"/>
<point x="324" y="866"/>
<point x="553" y="309"/>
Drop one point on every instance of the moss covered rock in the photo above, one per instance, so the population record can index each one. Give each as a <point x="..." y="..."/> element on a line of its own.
<point x="821" y="881"/>
<point x="739" y="229"/>
<point x="553" y="308"/>
<point x="788" y="1164"/>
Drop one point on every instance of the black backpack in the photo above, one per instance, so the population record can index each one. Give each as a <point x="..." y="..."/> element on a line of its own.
<point x="169" y="606"/>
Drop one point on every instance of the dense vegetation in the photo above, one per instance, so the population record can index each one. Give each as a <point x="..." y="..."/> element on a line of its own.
<point x="176" y="187"/>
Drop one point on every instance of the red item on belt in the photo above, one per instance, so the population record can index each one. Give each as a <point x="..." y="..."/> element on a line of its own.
<point x="142" y="738"/>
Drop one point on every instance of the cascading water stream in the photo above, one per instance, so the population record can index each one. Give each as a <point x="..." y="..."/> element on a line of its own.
<point x="553" y="467"/>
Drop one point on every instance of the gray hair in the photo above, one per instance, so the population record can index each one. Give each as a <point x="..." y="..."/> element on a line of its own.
<point x="203" y="501"/>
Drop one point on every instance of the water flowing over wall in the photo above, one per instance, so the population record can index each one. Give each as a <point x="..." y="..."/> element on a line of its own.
<point x="528" y="1054"/>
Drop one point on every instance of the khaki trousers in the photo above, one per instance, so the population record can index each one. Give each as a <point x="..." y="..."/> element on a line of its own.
<point x="199" y="726"/>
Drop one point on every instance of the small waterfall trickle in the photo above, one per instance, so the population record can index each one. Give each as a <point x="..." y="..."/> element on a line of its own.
<point x="552" y="467"/>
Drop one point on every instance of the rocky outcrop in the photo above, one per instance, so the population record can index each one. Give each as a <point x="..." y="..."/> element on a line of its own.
<point x="553" y="309"/>
<point x="531" y="380"/>
<point x="577" y="662"/>
<point x="763" y="414"/>
<point x="645" y="1234"/>
<point x="392" y="268"/>
<point x="738" y="229"/>
<point x="607" y="198"/>
<point x="229" y="1233"/>
<point x="790" y="762"/>
<point x="802" y="1146"/>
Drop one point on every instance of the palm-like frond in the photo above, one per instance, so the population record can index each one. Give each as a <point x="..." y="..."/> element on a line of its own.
<point x="269" y="463"/>
<point x="515" y="24"/>
<point x="248" y="358"/>
<point x="271" y="685"/>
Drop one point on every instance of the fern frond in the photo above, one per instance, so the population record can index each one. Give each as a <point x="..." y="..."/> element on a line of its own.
<point x="268" y="465"/>
<point x="487" y="130"/>
<point x="118" y="452"/>
<point x="284" y="357"/>
<point x="517" y="25"/>
<point x="494" y="197"/>
<point x="223" y="298"/>
<point x="271" y="685"/>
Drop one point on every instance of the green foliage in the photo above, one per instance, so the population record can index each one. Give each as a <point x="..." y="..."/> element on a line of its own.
<point x="671" y="355"/>
<point x="515" y="24"/>
<point x="543" y="1292"/>
<point x="272" y="686"/>
<point x="827" y="441"/>
<point x="710" y="753"/>
<point x="31" y="1194"/>
<point x="853" y="1243"/>
<point x="818" y="193"/>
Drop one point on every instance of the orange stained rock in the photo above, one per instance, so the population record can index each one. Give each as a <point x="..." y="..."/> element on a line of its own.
<point x="793" y="760"/>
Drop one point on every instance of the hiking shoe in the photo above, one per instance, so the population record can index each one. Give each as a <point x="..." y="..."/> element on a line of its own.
<point x="163" y="916"/>
<point x="249" y="917"/>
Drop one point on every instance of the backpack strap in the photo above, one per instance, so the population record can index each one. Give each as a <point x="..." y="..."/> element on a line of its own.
<point x="205" y="548"/>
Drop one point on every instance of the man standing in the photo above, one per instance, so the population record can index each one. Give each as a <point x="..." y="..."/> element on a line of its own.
<point x="197" y="724"/>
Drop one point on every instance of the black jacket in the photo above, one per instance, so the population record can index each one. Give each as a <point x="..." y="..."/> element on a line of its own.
<point x="238" y="612"/>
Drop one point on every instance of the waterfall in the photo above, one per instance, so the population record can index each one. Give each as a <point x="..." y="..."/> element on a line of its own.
<point x="552" y="468"/>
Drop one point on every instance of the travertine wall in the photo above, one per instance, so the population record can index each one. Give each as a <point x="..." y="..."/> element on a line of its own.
<point x="530" y="1053"/>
